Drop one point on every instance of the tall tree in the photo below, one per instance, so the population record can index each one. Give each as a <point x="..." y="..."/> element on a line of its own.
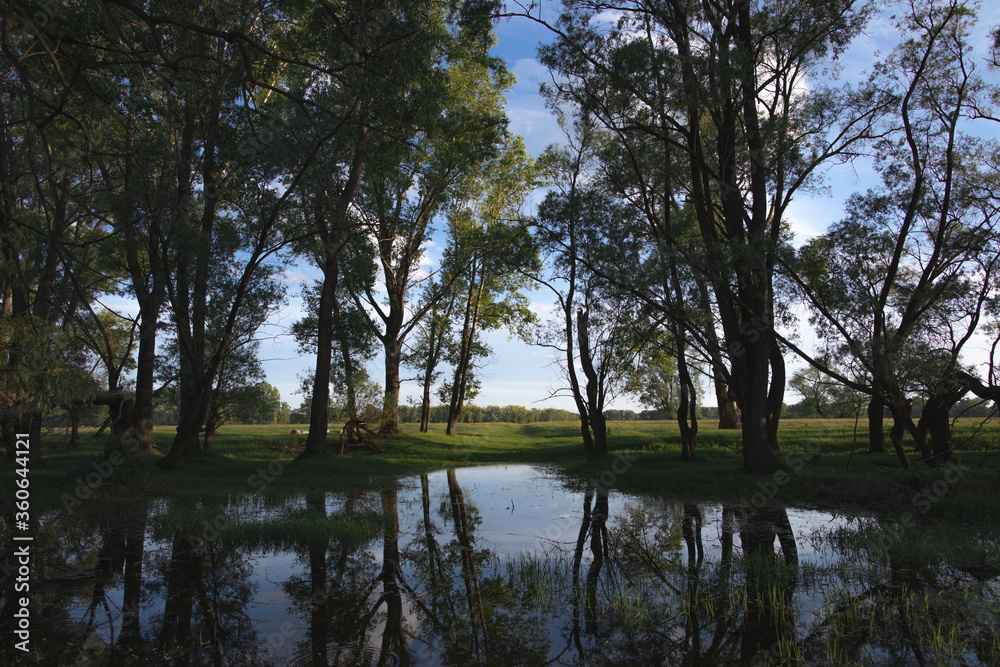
<point x="899" y="286"/>
<point x="585" y="230"/>
<point x="488" y="231"/>
<point x="723" y="86"/>
<point x="410" y="179"/>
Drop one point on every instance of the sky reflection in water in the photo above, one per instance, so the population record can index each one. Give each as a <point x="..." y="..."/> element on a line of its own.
<point x="504" y="565"/>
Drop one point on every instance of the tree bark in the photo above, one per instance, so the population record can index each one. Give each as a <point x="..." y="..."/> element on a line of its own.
<point x="876" y="433"/>
<point x="390" y="409"/>
<point x="750" y="376"/>
<point x="595" y="398"/>
<point x="730" y="417"/>
<point x="686" y="409"/>
<point x="319" y="408"/>
<point x="687" y="405"/>
<point x="729" y="413"/>
<point x="332" y="244"/>
<point x="74" y="438"/>
<point x="469" y="330"/>
<point x="936" y="422"/>
<point x="775" y="394"/>
<point x="901" y="410"/>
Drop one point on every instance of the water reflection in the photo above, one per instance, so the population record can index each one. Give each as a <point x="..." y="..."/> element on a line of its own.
<point x="498" y="566"/>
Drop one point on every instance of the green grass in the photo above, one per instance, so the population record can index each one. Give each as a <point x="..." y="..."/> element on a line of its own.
<point x="645" y="458"/>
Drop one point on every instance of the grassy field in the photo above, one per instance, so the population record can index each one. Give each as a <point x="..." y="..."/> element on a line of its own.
<point x="645" y="458"/>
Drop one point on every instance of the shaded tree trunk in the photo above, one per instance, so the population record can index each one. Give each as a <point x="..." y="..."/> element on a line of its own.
<point x="729" y="412"/>
<point x="687" y="407"/>
<point x="876" y="433"/>
<point x="319" y="408"/>
<point x="775" y="394"/>
<point x="750" y="376"/>
<point x="901" y="410"/>
<point x="74" y="437"/>
<point x="142" y="430"/>
<point x="936" y="422"/>
<point x="595" y="396"/>
<point x="468" y="339"/>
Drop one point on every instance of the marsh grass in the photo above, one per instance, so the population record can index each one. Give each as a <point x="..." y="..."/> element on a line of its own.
<point x="272" y="531"/>
<point x="853" y="621"/>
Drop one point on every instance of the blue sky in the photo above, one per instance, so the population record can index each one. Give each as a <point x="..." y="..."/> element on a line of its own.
<point x="524" y="375"/>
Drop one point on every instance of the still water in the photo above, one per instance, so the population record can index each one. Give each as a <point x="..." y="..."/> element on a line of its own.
<point x="499" y="565"/>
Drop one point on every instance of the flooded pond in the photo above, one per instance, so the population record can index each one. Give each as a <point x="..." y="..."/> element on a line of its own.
<point x="500" y="565"/>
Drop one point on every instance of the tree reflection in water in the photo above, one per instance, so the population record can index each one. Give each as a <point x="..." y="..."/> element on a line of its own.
<point x="636" y="581"/>
<point x="468" y="611"/>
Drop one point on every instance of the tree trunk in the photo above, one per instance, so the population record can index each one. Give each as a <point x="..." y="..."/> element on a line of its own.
<point x="425" y="409"/>
<point x="191" y="422"/>
<point x="211" y="426"/>
<point x="149" y="288"/>
<point x="318" y="412"/>
<point x="390" y="408"/>
<point x="686" y="409"/>
<point x="936" y="422"/>
<point x="687" y="406"/>
<point x="751" y="378"/>
<point x="595" y="400"/>
<point x="435" y="343"/>
<point x="332" y="244"/>
<point x="876" y="433"/>
<point x="468" y="339"/>
<point x="729" y="413"/>
<point x="901" y="409"/>
<point x="19" y="421"/>
<point x="74" y="438"/>
<point x="142" y="430"/>
<point x="775" y="395"/>
<point x="730" y="417"/>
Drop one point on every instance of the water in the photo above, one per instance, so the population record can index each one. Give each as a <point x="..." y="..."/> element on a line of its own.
<point x="501" y="565"/>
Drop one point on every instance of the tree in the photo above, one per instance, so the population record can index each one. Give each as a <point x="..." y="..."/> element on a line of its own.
<point x="721" y="86"/>
<point x="407" y="183"/>
<point x="821" y="396"/>
<point x="53" y="233"/>
<point x="428" y="348"/>
<point x="487" y="231"/>
<point x="900" y="285"/>
<point x="595" y="331"/>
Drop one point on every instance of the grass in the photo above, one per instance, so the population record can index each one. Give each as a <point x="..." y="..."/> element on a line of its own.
<point x="645" y="458"/>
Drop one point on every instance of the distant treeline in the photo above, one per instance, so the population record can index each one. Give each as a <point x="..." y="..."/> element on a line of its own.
<point x="518" y="414"/>
<point x="166" y="414"/>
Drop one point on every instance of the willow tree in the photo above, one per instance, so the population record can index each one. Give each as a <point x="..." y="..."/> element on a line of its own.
<point x="581" y="228"/>
<point x="56" y="260"/>
<point x="411" y="177"/>
<point x="901" y="284"/>
<point x="488" y="232"/>
<point x="725" y="86"/>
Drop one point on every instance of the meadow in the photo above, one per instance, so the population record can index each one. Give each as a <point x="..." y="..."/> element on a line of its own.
<point x="827" y="465"/>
